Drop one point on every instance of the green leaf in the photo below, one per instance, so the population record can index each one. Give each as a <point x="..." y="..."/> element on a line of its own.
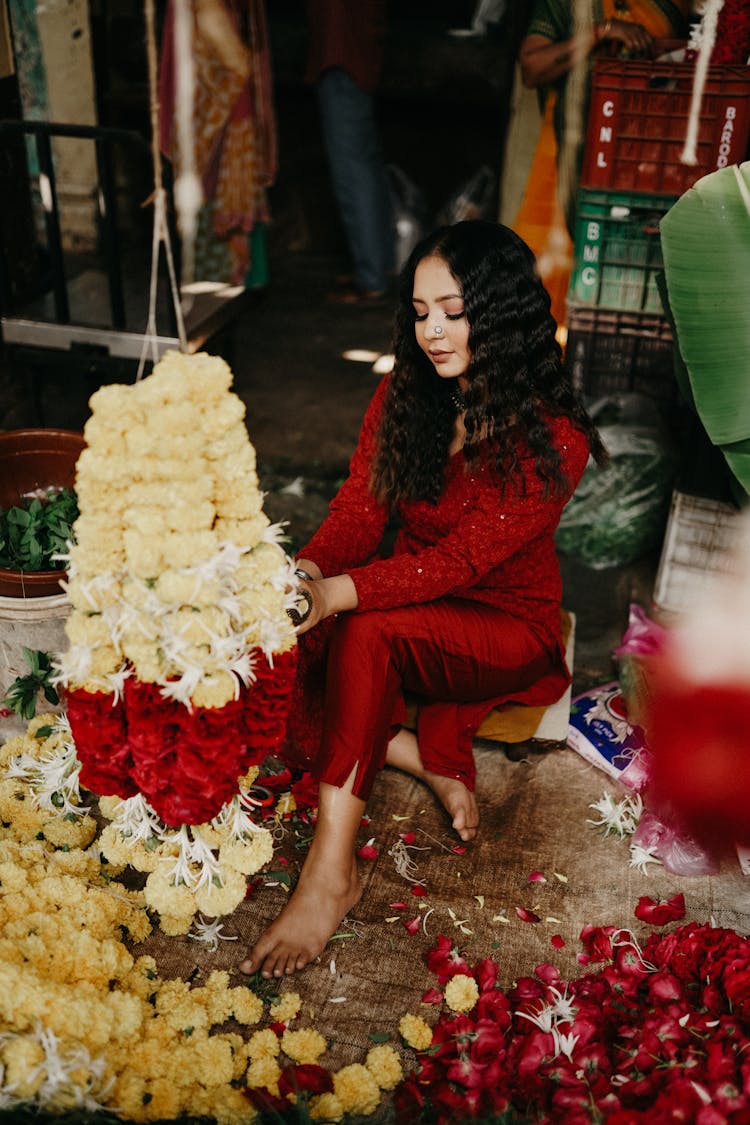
<point x="379" y="1036"/>
<point x="705" y="240"/>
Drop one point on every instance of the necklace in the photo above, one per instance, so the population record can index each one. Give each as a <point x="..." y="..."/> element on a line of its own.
<point x="456" y="396"/>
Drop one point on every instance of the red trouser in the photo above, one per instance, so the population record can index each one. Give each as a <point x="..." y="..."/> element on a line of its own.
<point x="460" y="658"/>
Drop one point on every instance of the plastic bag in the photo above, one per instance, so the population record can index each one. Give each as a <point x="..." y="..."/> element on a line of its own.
<point x="476" y="199"/>
<point x="410" y="214"/>
<point x="642" y="640"/>
<point x="678" y="851"/>
<point x="619" y="513"/>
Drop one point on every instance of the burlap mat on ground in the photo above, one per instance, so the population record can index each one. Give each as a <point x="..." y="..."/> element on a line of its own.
<point x="534" y="818"/>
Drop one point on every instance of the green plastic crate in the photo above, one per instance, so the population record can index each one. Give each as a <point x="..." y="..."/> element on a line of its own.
<point x="617" y="251"/>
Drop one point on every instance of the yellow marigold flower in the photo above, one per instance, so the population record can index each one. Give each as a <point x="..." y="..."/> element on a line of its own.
<point x="303" y="1046"/>
<point x="23" y="1059"/>
<point x="175" y="925"/>
<point x="98" y="533"/>
<point x="461" y="993"/>
<point x="94" y="597"/>
<point x="221" y="415"/>
<point x="356" y="1089"/>
<point x="243" y="533"/>
<point x="127" y="1094"/>
<point x="188" y="1016"/>
<point x="229" y="1107"/>
<point x="199" y="625"/>
<point x="228" y="445"/>
<point x="239" y="1052"/>
<point x="176" y="588"/>
<point x="189" y="548"/>
<point x="326" y="1107"/>
<point x="248" y="855"/>
<point x="218" y="1004"/>
<point x="286" y="1008"/>
<point x="142" y="977"/>
<point x="165" y="1101"/>
<point x="162" y="894"/>
<point x="263" y="1044"/>
<point x="104" y="660"/>
<point x="214" y="901"/>
<point x="263" y="1073"/>
<point x="88" y="629"/>
<point x="64" y="833"/>
<point x="241" y="500"/>
<point x="171" y="494"/>
<point x="107" y="438"/>
<point x="247" y="1008"/>
<point x="215" y="690"/>
<point x="108" y="806"/>
<point x="117" y="848"/>
<point x="114" y="401"/>
<point x="143" y="554"/>
<point x="415" y="1032"/>
<point x="385" y="1066"/>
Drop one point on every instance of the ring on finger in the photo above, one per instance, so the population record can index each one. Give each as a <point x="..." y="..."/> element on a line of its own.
<point x="297" y="614"/>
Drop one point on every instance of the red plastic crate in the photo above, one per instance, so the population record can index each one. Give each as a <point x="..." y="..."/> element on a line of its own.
<point x="638" y="120"/>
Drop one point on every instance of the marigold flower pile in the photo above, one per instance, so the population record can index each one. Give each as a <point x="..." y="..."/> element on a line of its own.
<point x="85" y="1023"/>
<point x="656" y="1035"/>
<point x="181" y="653"/>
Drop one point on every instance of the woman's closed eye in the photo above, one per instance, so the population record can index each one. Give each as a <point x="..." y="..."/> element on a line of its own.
<point x="448" y="316"/>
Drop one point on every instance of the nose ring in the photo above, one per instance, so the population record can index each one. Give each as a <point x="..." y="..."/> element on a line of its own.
<point x="438" y="330"/>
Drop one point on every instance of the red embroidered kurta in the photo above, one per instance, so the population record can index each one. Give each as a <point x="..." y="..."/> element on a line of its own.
<point x="482" y="542"/>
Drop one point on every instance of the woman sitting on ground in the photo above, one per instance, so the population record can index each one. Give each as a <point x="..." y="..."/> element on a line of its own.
<point x="475" y="442"/>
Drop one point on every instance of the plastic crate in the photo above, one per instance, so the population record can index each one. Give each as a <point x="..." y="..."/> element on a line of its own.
<point x="697" y="542"/>
<point x="610" y="352"/>
<point x="617" y="250"/>
<point x="638" y="120"/>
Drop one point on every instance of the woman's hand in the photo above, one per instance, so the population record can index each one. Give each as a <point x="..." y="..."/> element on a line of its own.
<point x="633" y="36"/>
<point x="327" y="596"/>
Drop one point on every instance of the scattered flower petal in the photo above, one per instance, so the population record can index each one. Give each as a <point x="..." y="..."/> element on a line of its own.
<point x="408" y="837"/>
<point x="397" y="817"/>
<point x="337" y="999"/>
<point x="397" y="905"/>
<point x="501" y="918"/>
<point x="660" y="913"/>
<point x="554" y="921"/>
<point x="560" y="878"/>
<point x="527" y="915"/>
<point x="367" y="851"/>
<point x="418" y="890"/>
<point x="537" y="877"/>
<point x="459" y="850"/>
<point x="412" y="926"/>
<point x="557" y="941"/>
<point x="432" y="996"/>
<point x="480" y="900"/>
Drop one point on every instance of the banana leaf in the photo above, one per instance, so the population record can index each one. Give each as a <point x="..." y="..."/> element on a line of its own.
<point x="705" y="241"/>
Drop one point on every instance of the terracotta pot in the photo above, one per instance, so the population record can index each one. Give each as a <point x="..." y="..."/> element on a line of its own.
<point x="31" y="460"/>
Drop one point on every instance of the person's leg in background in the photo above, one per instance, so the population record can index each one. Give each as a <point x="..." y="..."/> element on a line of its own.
<point x="359" y="178"/>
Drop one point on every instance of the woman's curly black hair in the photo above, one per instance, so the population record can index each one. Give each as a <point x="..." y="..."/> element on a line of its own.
<point x="515" y="375"/>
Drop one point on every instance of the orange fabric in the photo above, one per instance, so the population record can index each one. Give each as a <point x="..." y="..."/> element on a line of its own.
<point x="540" y="221"/>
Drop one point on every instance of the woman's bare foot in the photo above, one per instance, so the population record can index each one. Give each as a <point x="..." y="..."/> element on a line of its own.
<point x="304" y="926"/>
<point x="458" y="801"/>
<point x="456" y="798"/>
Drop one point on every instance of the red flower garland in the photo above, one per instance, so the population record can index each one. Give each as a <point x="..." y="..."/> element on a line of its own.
<point x="187" y="763"/>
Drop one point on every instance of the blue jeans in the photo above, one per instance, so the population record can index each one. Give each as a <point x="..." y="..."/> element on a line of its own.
<point x="360" y="181"/>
